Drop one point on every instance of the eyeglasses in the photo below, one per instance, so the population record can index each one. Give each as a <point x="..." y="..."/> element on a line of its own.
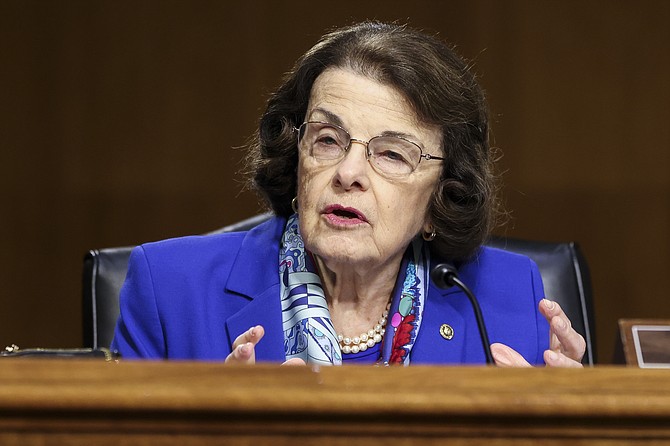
<point x="390" y="156"/>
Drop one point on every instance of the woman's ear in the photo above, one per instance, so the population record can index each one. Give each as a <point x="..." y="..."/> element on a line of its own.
<point x="428" y="232"/>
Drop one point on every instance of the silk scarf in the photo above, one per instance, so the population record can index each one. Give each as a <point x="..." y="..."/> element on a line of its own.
<point x="308" y="330"/>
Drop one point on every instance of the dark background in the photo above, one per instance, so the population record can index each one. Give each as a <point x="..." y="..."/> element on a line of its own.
<point x="120" y="122"/>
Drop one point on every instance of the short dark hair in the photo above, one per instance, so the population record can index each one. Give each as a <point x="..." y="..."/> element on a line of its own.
<point x="441" y="90"/>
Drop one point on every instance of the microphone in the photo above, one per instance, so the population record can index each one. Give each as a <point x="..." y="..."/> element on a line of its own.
<point x="445" y="275"/>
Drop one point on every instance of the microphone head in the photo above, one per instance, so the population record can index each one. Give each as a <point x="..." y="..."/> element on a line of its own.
<point x="443" y="274"/>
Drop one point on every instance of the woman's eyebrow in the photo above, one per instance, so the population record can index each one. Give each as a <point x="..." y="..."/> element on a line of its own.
<point x="409" y="136"/>
<point x="330" y="116"/>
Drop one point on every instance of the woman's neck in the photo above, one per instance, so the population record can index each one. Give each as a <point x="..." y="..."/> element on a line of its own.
<point x="356" y="298"/>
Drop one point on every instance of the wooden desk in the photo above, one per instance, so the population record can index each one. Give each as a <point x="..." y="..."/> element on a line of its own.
<point x="97" y="403"/>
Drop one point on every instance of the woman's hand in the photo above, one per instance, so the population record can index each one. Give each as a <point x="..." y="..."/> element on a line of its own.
<point x="566" y="346"/>
<point x="245" y="345"/>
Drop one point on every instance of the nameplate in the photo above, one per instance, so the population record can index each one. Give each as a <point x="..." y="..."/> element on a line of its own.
<point x="646" y="342"/>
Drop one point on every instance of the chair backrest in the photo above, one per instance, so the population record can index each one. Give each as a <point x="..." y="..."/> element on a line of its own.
<point x="562" y="266"/>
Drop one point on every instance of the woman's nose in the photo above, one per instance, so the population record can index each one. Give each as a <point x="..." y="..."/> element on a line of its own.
<point x="353" y="171"/>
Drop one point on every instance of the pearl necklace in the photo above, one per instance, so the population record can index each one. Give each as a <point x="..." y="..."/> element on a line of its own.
<point x="366" y="340"/>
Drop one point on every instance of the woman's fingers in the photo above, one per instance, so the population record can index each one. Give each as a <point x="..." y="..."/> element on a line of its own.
<point x="556" y="359"/>
<point x="294" y="361"/>
<point x="505" y="356"/>
<point x="244" y="346"/>
<point x="564" y="340"/>
<point x="242" y="354"/>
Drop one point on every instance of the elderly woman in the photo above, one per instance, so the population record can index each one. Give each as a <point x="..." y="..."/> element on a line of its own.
<point x="374" y="156"/>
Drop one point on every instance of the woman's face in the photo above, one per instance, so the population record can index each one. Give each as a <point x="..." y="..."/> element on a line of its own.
<point x="350" y="215"/>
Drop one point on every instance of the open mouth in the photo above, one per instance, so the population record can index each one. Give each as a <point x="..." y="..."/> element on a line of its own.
<point x="343" y="214"/>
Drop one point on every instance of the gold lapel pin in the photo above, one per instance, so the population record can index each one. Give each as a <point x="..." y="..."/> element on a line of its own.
<point x="446" y="332"/>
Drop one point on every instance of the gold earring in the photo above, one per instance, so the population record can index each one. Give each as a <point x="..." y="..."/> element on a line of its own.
<point x="429" y="236"/>
<point x="294" y="205"/>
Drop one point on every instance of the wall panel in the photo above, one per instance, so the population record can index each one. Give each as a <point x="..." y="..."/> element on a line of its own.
<point x="118" y="124"/>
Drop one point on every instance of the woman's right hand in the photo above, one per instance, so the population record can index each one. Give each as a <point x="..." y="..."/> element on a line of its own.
<point x="244" y="348"/>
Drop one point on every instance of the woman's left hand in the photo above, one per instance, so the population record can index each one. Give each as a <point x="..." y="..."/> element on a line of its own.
<point x="566" y="346"/>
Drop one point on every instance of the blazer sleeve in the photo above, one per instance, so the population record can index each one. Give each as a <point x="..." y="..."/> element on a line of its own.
<point x="139" y="333"/>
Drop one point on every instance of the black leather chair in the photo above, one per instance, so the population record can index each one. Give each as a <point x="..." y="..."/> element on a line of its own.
<point x="562" y="266"/>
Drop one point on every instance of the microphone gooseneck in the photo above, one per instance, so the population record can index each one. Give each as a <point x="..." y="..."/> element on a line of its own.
<point x="445" y="275"/>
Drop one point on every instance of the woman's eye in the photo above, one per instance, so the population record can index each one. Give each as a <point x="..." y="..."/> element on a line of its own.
<point x="326" y="140"/>
<point x="391" y="155"/>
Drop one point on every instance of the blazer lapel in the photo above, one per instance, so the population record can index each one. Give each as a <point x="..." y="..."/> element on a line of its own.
<point x="451" y="307"/>
<point x="435" y="344"/>
<point x="255" y="275"/>
<point x="265" y="310"/>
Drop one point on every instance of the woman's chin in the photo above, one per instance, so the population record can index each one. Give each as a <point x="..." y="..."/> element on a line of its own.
<point x="344" y="254"/>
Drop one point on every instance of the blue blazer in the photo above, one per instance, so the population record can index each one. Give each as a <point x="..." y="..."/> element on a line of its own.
<point x="189" y="298"/>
